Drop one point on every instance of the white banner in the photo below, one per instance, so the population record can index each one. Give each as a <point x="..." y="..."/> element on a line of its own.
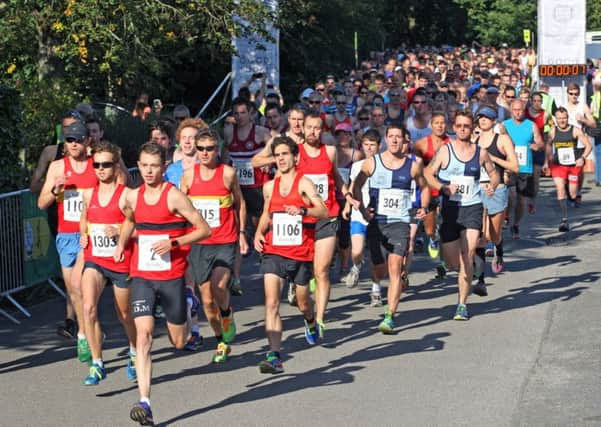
<point x="256" y="55"/>
<point x="562" y="40"/>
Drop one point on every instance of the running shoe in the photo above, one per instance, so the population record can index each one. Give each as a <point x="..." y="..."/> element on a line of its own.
<point x="311" y="333"/>
<point x="497" y="264"/>
<point x="142" y="413"/>
<point x="404" y="282"/>
<point x="96" y="375"/>
<point x="67" y="330"/>
<point x="376" y="299"/>
<point x="441" y="271"/>
<point x="434" y="248"/>
<point x="352" y="278"/>
<point x="506" y="222"/>
<point x="223" y="350"/>
<point x="292" y="294"/>
<point x="131" y="368"/>
<point x="386" y="326"/>
<point x="193" y="301"/>
<point x="321" y="328"/>
<point x="564" y="226"/>
<point x="312" y="285"/>
<point x="83" y="350"/>
<point x="531" y="208"/>
<point x="490" y="249"/>
<point x="461" y="312"/>
<point x="480" y="288"/>
<point x="195" y="341"/>
<point x="228" y="327"/>
<point x="235" y="287"/>
<point x="271" y="365"/>
<point x="515" y="232"/>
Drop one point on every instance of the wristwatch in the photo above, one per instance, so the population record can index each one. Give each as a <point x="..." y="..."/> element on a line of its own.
<point x="174" y="243"/>
<point x="303" y="211"/>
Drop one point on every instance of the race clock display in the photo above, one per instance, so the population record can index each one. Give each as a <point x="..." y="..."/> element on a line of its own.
<point x="562" y="70"/>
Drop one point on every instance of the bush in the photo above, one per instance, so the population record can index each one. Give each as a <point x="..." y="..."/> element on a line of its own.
<point x="11" y="141"/>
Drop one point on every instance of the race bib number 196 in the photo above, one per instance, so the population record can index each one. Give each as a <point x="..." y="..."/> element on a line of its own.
<point x="245" y="171"/>
<point x="148" y="260"/>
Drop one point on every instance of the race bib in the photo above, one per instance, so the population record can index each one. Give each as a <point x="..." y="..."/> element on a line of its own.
<point x="522" y="154"/>
<point x="321" y="184"/>
<point x="345" y="174"/>
<point x="566" y="156"/>
<point x="102" y="245"/>
<point x="394" y="202"/>
<point x="287" y="230"/>
<point x="148" y="260"/>
<point x="413" y="191"/>
<point x="484" y="177"/>
<point x="465" y="188"/>
<point x="72" y="205"/>
<point x="245" y="171"/>
<point x="209" y="209"/>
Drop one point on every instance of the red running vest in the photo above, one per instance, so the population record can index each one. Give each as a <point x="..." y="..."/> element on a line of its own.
<point x="320" y="171"/>
<point x="101" y="248"/>
<point x="215" y="203"/>
<point x="69" y="202"/>
<point x="154" y="223"/>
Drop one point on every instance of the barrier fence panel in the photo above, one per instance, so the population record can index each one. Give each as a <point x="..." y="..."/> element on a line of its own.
<point x="27" y="253"/>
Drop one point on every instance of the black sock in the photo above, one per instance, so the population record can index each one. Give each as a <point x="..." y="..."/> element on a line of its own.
<point x="564" y="209"/>
<point x="311" y="320"/>
<point x="225" y="313"/>
<point x="500" y="248"/>
<point x="481" y="252"/>
<point x="219" y="338"/>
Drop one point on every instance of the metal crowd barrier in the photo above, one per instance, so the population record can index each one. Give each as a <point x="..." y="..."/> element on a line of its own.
<point x="27" y="252"/>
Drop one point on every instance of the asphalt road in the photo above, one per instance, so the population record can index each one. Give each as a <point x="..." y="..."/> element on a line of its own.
<point x="530" y="354"/>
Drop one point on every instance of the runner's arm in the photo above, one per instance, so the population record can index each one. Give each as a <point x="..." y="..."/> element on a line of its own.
<point x="53" y="185"/>
<point x="83" y="220"/>
<point x="511" y="162"/>
<point x="539" y="143"/>
<point x="37" y="180"/>
<point x="489" y="166"/>
<point x="179" y="203"/>
<point x="263" y="157"/>
<point x="588" y="147"/>
<point x="127" y="227"/>
<point x="307" y="189"/>
<point x="434" y="166"/>
<point x="417" y="172"/>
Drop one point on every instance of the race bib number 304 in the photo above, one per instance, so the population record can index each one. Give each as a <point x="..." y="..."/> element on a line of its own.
<point x="102" y="245"/>
<point x="287" y="230"/>
<point x="394" y="202"/>
<point x="209" y="209"/>
<point x="72" y="205"/>
<point x="245" y="171"/>
<point x="321" y="184"/>
<point x="148" y="260"/>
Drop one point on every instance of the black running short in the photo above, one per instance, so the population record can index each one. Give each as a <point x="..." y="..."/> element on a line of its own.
<point x="120" y="280"/>
<point x="204" y="258"/>
<point x="297" y="272"/>
<point x="455" y="219"/>
<point x="171" y="292"/>
<point x="327" y="227"/>
<point x="390" y="238"/>
<point x="253" y="198"/>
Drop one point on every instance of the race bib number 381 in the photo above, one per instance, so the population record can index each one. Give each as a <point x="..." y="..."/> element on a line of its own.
<point x="465" y="188"/>
<point x="148" y="260"/>
<point x="287" y="230"/>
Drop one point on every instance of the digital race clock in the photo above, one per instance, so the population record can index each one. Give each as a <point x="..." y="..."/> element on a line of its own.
<point x="562" y="70"/>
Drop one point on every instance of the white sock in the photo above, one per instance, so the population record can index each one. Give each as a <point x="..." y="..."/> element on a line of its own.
<point x="356" y="267"/>
<point x="98" y="362"/>
<point x="81" y="336"/>
<point x="375" y="287"/>
<point x="145" y="400"/>
<point x="132" y="351"/>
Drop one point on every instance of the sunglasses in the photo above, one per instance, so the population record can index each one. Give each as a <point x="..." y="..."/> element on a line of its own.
<point x="320" y="89"/>
<point x="207" y="149"/>
<point x="573" y="93"/>
<point x="363" y="92"/>
<point x="103" y="165"/>
<point x="314" y="102"/>
<point x="73" y="140"/>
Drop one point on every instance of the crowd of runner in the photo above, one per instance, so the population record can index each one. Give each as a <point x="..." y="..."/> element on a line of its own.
<point x="433" y="150"/>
